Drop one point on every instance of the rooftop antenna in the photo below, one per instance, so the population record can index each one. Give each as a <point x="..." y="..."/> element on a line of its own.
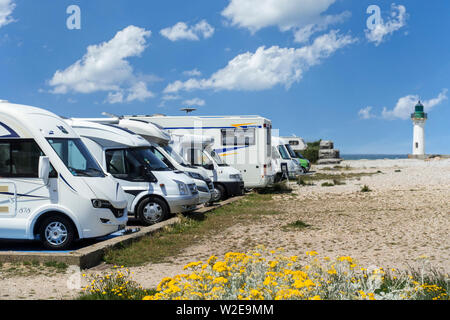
<point x="111" y="115"/>
<point x="188" y="110"/>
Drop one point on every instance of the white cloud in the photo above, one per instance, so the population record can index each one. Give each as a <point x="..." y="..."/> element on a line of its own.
<point x="104" y="68"/>
<point x="267" y="67"/>
<point x="169" y="97"/>
<point x="181" y="31"/>
<point x="194" y="102"/>
<point x="365" y="113"/>
<point x="139" y="92"/>
<point x="303" y="34"/>
<point x="286" y="14"/>
<point x="192" y="73"/>
<point x="6" y="9"/>
<point x="395" y="22"/>
<point x="405" y="106"/>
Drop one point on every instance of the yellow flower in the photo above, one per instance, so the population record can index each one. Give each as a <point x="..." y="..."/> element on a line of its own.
<point x="311" y="253"/>
<point x="315" y="298"/>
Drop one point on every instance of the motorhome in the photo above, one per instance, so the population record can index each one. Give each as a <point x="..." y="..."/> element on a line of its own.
<point x="160" y="147"/>
<point x="169" y="156"/>
<point x="243" y="142"/>
<point x="153" y="189"/>
<point x="51" y="187"/>
<point x="283" y="158"/>
<point x="305" y="164"/>
<point x="197" y="151"/>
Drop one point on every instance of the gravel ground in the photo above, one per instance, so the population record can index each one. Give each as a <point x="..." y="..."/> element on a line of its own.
<point x="405" y="218"/>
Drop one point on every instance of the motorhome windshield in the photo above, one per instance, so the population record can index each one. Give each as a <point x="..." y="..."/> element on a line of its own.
<point x="76" y="157"/>
<point x="175" y="155"/>
<point x="283" y="152"/>
<point x="148" y="158"/>
<point x="291" y="152"/>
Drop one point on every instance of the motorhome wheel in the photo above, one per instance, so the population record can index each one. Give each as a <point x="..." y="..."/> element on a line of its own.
<point x="220" y="192"/>
<point x="152" y="210"/>
<point x="56" y="233"/>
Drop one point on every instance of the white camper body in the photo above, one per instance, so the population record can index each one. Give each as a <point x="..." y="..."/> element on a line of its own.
<point x="197" y="150"/>
<point x="243" y="142"/>
<point x="160" y="140"/>
<point x="153" y="189"/>
<point x="297" y="143"/>
<point x="281" y="155"/>
<point x="51" y="187"/>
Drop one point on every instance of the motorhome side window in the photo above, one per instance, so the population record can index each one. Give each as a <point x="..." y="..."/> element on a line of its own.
<point x="20" y="158"/>
<point x="238" y="137"/>
<point x="123" y="165"/>
<point x="196" y="157"/>
<point x="128" y="164"/>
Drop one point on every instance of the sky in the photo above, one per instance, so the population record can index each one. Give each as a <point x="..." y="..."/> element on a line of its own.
<point x="345" y="70"/>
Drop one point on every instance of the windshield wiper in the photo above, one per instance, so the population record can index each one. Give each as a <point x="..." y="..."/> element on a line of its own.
<point x="79" y="172"/>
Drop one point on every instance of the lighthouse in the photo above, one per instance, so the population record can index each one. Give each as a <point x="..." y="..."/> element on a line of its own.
<point x="419" y="117"/>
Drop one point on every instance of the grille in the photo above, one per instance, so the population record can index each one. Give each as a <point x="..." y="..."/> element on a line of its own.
<point x="193" y="188"/>
<point x="118" y="213"/>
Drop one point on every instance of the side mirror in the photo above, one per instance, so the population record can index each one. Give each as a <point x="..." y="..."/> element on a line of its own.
<point x="44" y="169"/>
<point x="209" y="166"/>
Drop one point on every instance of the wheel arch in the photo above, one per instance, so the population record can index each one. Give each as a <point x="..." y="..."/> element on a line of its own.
<point x="37" y="223"/>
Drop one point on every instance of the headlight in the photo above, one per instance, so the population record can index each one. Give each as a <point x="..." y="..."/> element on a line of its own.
<point x="97" y="203"/>
<point x="195" y="175"/>
<point x="182" y="187"/>
<point x="237" y="177"/>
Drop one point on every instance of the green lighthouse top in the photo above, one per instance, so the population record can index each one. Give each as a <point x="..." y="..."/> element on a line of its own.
<point x="419" y="112"/>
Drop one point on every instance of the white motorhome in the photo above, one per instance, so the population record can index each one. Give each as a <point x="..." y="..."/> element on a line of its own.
<point x="153" y="189"/>
<point x="197" y="150"/>
<point x="282" y="157"/>
<point x="243" y="142"/>
<point x="159" y="140"/>
<point x="169" y="156"/>
<point x="51" y="187"/>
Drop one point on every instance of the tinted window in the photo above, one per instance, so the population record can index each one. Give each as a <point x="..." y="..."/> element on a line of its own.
<point x="238" y="137"/>
<point x="20" y="158"/>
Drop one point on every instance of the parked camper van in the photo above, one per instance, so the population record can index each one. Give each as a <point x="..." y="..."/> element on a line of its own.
<point x="51" y="187"/>
<point x="197" y="150"/>
<point x="282" y="157"/>
<point x="169" y="156"/>
<point x="153" y="189"/>
<point x="243" y="142"/>
<point x="304" y="163"/>
<point x="160" y="140"/>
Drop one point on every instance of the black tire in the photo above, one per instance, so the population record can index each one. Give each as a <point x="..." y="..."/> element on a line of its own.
<point x="222" y="192"/>
<point x="152" y="210"/>
<point x="57" y="232"/>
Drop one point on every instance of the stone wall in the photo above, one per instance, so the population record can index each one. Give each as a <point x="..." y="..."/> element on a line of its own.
<point x="327" y="153"/>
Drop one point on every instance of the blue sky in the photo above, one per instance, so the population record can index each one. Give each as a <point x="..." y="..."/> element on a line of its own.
<point x="232" y="57"/>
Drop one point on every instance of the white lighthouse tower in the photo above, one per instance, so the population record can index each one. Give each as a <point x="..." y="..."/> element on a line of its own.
<point x="419" y="117"/>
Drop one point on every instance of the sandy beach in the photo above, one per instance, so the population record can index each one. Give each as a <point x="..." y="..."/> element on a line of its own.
<point x="403" y="222"/>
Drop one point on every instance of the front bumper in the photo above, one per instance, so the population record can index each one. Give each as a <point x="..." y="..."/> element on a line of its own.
<point x="178" y="204"/>
<point x="107" y="223"/>
<point x="234" y="188"/>
<point x="204" y="197"/>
